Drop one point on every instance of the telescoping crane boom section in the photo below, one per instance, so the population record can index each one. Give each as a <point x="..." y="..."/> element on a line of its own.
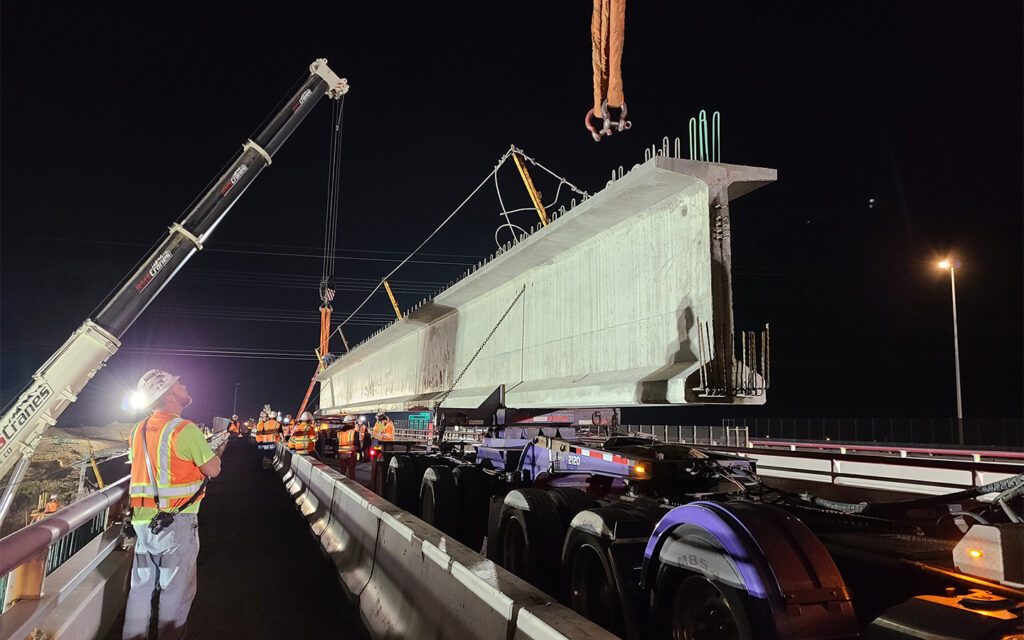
<point x="57" y="383"/>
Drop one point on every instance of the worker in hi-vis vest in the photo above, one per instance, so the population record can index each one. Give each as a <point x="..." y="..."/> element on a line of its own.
<point x="384" y="428"/>
<point x="304" y="434"/>
<point x="268" y="434"/>
<point x="257" y="430"/>
<point x="171" y="461"/>
<point x="348" y="447"/>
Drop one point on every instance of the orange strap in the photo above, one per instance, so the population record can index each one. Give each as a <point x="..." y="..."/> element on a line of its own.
<point x="607" y="32"/>
<point x="325" y="329"/>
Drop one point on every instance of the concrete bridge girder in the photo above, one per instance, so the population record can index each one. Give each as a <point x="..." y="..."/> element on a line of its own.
<point x="600" y="307"/>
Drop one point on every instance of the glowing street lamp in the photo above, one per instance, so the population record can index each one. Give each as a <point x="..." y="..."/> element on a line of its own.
<point x="953" y="265"/>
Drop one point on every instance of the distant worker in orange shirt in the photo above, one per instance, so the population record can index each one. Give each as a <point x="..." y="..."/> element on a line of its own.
<point x="233" y="427"/>
<point x="51" y="505"/>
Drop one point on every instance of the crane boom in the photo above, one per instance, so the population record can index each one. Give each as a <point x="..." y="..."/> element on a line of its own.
<point x="58" y="382"/>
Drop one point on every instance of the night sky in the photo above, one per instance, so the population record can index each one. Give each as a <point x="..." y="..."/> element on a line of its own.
<point x="896" y="129"/>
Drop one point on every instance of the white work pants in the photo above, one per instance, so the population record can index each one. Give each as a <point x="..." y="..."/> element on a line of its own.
<point x="164" y="561"/>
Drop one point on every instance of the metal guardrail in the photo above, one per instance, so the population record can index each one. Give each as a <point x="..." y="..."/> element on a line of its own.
<point x="61" y="534"/>
<point x="871" y="470"/>
<point x="975" y="454"/>
<point x="21" y="545"/>
<point x="1006" y="433"/>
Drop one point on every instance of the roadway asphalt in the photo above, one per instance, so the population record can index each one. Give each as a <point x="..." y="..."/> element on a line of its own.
<point x="262" y="574"/>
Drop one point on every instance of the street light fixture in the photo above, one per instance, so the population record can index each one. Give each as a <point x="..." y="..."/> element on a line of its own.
<point x="234" y="406"/>
<point x="953" y="265"/>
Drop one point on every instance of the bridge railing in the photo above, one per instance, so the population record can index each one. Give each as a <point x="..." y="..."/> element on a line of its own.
<point x="31" y="558"/>
<point x="76" y="549"/>
<point x="1006" y="433"/>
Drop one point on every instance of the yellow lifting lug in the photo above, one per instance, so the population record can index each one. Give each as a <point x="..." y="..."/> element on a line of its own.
<point x="534" y="196"/>
<point x="398" y="312"/>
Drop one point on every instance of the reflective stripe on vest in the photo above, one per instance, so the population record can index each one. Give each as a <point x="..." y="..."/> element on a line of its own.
<point x="171" y="493"/>
<point x="303" y="438"/>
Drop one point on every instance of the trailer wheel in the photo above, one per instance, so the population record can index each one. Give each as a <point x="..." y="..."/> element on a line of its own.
<point x="438" y="499"/>
<point x="702" y="608"/>
<point x="378" y="475"/>
<point x="472" y="489"/>
<point x="743" y="570"/>
<point x="592" y="591"/>
<point x="568" y="502"/>
<point x="601" y="549"/>
<point x="529" y="539"/>
<point x="400" y="484"/>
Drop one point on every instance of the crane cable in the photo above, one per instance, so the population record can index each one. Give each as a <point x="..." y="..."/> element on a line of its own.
<point x="607" y="32"/>
<point x="327" y="284"/>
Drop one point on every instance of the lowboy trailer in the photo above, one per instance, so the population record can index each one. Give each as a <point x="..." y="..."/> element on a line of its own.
<point x="661" y="539"/>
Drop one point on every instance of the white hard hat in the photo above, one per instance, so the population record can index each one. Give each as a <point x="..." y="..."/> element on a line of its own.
<point x="272" y="415"/>
<point x="154" y="384"/>
<point x="305" y="416"/>
<point x="53" y="496"/>
<point x="234" y="417"/>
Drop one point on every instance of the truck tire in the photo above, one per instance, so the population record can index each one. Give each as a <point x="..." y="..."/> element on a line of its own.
<point x="378" y="475"/>
<point x="472" y="487"/>
<point x="438" y="499"/>
<point x="700" y="607"/>
<point x="528" y="538"/>
<point x="730" y="570"/>
<point x="400" y="484"/>
<point x="597" y="568"/>
<point x="568" y="502"/>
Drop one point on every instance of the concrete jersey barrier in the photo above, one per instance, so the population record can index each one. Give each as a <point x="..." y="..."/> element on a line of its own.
<point x="410" y="580"/>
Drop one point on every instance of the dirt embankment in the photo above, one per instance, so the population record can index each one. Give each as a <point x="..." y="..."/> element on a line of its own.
<point x="56" y="464"/>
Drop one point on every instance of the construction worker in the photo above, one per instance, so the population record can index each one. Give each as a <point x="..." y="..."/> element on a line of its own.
<point x="384" y="428"/>
<point x="364" y="437"/>
<point x="233" y="427"/>
<point x="349" y="448"/>
<point x="304" y="434"/>
<point x="286" y="428"/>
<point x="170" y="461"/>
<point x="51" y="505"/>
<point x="258" y="429"/>
<point x="268" y="434"/>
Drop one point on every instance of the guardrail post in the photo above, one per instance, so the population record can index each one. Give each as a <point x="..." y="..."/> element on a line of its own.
<point x="26" y="581"/>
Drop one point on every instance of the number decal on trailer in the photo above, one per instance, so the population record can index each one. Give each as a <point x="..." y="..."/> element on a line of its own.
<point x="572" y="460"/>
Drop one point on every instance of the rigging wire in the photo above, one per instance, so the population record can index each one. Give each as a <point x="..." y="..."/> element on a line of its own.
<point x="492" y="175"/>
<point x="433" y="233"/>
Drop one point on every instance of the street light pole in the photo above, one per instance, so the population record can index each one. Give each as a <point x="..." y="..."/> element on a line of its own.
<point x="234" y="406"/>
<point x="952" y="265"/>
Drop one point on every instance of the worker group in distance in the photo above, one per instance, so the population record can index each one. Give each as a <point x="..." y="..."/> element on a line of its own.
<point x="354" y="440"/>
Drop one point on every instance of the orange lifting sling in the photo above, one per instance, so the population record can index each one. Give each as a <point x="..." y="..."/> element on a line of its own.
<point x="607" y="31"/>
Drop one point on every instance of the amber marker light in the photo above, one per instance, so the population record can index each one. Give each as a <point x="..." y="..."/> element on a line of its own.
<point x="640" y="468"/>
<point x="974" y="553"/>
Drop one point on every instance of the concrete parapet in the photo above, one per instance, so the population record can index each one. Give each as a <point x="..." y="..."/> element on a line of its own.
<point x="409" y="580"/>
